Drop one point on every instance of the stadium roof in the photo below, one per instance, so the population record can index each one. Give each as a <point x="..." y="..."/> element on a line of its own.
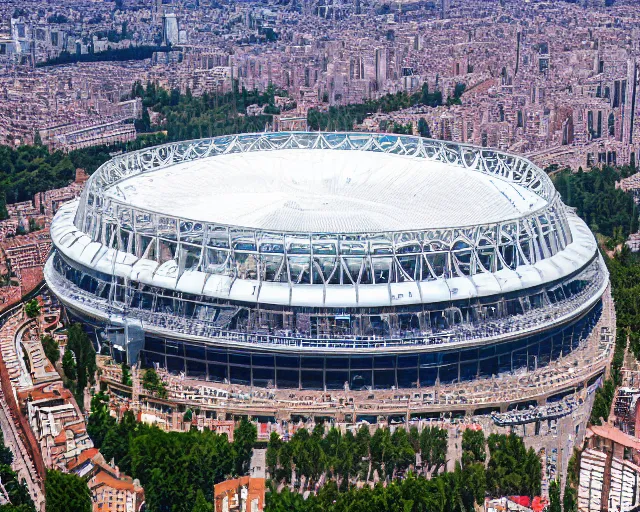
<point x="322" y="191"/>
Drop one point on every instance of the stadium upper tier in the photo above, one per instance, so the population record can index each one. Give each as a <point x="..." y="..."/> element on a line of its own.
<point x="316" y="260"/>
<point x="324" y="219"/>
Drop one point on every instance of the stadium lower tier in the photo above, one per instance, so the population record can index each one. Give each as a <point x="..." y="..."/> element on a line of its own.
<point x="358" y="371"/>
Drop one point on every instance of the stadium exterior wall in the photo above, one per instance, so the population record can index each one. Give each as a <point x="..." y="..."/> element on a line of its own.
<point x="496" y="311"/>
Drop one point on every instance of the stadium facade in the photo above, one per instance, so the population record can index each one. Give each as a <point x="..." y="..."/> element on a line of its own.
<point x="327" y="260"/>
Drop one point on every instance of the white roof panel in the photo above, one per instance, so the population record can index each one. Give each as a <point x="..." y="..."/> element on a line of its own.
<point x="314" y="190"/>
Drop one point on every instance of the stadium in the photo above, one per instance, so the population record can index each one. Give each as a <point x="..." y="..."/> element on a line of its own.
<point x="327" y="261"/>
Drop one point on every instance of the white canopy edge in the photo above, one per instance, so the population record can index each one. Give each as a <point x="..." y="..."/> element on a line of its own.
<point x="77" y="246"/>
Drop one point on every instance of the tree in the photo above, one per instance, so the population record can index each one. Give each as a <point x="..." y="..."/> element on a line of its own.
<point x="554" y="497"/>
<point x="126" y="375"/>
<point x="144" y="123"/>
<point x="273" y="450"/>
<point x="51" y="348"/>
<point x="83" y="370"/>
<point x="433" y="447"/>
<point x="473" y="447"/>
<point x="381" y="452"/>
<point x="4" y="214"/>
<point x="69" y="366"/>
<point x="100" y="421"/>
<point x="32" y="308"/>
<point x="65" y="492"/>
<point x="423" y="128"/>
<point x="512" y="469"/>
<point x="37" y="139"/>
<point x="201" y="504"/>
<point x="404" y="455"/>
<point x="151" y="382"/>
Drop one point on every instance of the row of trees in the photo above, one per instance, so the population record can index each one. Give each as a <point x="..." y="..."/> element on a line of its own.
<point x="613" y="213"/>
<point x="191" y="117"/>
<point x="139" y="52"/>
<point x="14" y="490"/>
<point x="27" y="170"/>
<point x="350" y="458"/>
<point x="173" y="467"/>
<point x="344" y="117"/>
<point x="606" y="209"/>
<point x="511" y="470"/>
<point x="79" y="361"/>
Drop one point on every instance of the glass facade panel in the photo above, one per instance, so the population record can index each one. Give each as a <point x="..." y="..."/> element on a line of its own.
<point x="384" y="379"/>
<point x="263" y="377"/>
<point x="360" y="379"/>
<point x="175" y="365"/>
<point x="240" y="375"/>
<point x="287" y="378"/>
<point x="312" y="379"/>
<point x="196" y="369"/>
<point x="218" y="372"/>
<point x="336" y="379"/>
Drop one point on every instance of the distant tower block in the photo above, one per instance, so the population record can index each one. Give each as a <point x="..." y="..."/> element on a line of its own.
<point x="170" y="32"/>
<point x="444" y="8"/>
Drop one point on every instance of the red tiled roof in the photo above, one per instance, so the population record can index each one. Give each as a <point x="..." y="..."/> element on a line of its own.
<point x="615" y="435"/>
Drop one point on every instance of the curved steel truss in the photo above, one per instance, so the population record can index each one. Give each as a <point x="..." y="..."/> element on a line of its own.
<point x="324" y="258"/>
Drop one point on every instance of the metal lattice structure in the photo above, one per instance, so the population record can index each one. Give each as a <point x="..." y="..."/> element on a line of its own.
<point x="530" y="274"/>
<point x="325" y="258"/>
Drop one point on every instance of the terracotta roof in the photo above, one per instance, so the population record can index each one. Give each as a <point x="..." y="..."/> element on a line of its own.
<point x="83" y="457"/>
<point x="615" y="435"/>
<point x="102" y="478"/>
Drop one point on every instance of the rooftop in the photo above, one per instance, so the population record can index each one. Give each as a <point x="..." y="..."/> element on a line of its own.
<point x="322" y="191"/>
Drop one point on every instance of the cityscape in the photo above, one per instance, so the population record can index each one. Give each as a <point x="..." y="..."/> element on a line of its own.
<point x="319" y="255"/>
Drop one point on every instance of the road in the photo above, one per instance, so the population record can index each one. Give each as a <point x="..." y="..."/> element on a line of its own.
<point x="21" y="462"/>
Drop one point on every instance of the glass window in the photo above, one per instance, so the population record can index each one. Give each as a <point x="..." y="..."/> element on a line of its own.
<point x="174" y="348"/>
<point x="264" y="377"/>
<point x="262" y="360"/>
<point x="336" y="379"/>
<point x="196" y="369"/>
<point x="287" y="361"/>
<point x="218" y="372"/>
<point x="408" y="378"/>
<point x="175" y="365"/>
<point x="311" y="379"/>
<point x="382" y="269"/>
<point x="190" y="256"/>
<point x="360" y="379"/>
<point x="191" y="232"/>
<point x="195" y="352"/>
<point x="408" y="361"/>
<point x="219" y="356"/>
<point x="166" y="251"/>
<point x="168" y="228"/>
<point x="385" y="361"/>
<point x="384" y="379"/>
<point x="468" y="371"/>
<point x="428" y="376"/>
<point x="448" y="373"/>
<point x="337" y="363"/>
<point x="287" y="378"/>
<point x="313" y="363"/>
<point x="488" y="367"/>
<point x="239" y="375"/>
<point x="239" y="359"/>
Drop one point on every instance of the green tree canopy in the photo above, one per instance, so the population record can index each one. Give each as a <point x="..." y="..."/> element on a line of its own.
<point x="65" y="492"/>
